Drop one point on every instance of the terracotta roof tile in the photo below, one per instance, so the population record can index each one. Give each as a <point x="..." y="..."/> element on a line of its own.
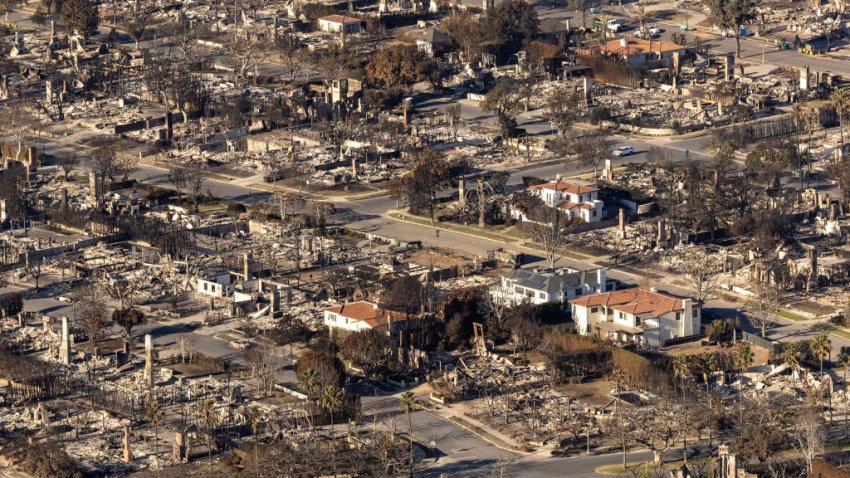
<point x="570" y="188"/>
<point x="568" y="205"/>
<point x="366" y="312"/>
<point x="635" y="301"/>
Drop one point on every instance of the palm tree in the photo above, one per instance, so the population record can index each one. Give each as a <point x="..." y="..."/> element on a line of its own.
<point x="155" y="414"/>
<point x="798" y="117"/>
<point x="255" y="417"/>
<point x="844" y="360"/>
<point x="840" y="100"/>
<point x="744" y="356"/>
<point x="681" y="368"/>
<point x="791" y="356"/>
<point x="308" y="382"/>
<point x="620" y="379"/>
<point x="205" y="413"/>
<point x="408" y="405"/>
<point x="331" y="399"/>
<point x="811" y="122"/>
<point x="743" y="360"/>
<point x="718" y="329"/>
<point x="707" y="365"/>
<point x="821" y="348"/>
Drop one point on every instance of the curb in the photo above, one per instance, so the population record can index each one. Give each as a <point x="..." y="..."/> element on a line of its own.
<point x="501" y="240"/>
<point x="480" y="435"/>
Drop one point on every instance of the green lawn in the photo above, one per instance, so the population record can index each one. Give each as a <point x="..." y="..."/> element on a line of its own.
<point x="829" y="328"/>
<point x="452" y="227"/>
<point x="791" y="315"/>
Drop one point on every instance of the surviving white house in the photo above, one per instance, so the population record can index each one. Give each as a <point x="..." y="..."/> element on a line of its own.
<point x="362" y="315"/>
<point x="550" y="286"/>
<point x="219" y="286"/>
<point x="641" y="315"/>
<point x="337" y="23"/>
<point x="574" y="199"/>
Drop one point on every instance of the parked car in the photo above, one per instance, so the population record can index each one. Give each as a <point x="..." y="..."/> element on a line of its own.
<point x="648" y="33"/>
<point x="614" y="25"/>
<point x="624" y="151"/>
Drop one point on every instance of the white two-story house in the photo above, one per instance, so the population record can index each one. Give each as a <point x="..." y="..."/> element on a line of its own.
<point x="574" y="199"/>
<point x="641" y="315"/>
<point x="362" y="315"/>
<point x="550" y="286"/>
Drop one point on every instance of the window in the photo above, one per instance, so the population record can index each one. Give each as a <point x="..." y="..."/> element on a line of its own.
<point x="577" y="292"/>
<point x="637" y="321"/>
<point x="678" y="316"/>
<point x="542" y="295"/>
<point x="594" y="213"/>
<point x="518" y="290"/>
<point x="594" y="310"/>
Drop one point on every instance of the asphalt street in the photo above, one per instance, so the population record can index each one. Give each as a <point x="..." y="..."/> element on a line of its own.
<point x="462" y="453"/>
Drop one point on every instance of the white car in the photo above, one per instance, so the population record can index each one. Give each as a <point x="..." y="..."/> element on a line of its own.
<point x="614" y="25"/>
<point x="624" y="151"/>
<point x="648" y="33"/>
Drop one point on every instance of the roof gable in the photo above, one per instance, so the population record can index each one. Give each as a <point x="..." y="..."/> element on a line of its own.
<point x="569" y="188"/>
<point x="635" y="301"/>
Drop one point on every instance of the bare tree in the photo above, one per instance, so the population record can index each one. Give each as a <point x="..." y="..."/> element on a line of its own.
<point x="291" y="53"/>
<point x="592" y="149"/>
<point x="137" y="25"/>
<point x="658" y="427"/>
<point x="126" y="164"/>
<point x="68" y="162"/>
<point x="33" y="268"/>
<point x="123" y="289"/>
<point x="764" y="307"/>
<point x="184" y="34"/>
<point x="9" y="5"/>
<point x="287" y="203"/>
<point x="701" y="275"/>
<point x="16" y="120"/>
<point x="562" y="107"/>
<point x="264" y="362"/>
<point x="503" y="100"/>
<point x="104" y="167"/>
<point x="91" y="310"/>
<point x="177" y="175"/>
<point x="809" y="435"/>
<point x="187" y="347"/>
<point x="497" y="306"/>
<point x="196" y="173"/>
<point x="249" y="48"/>
<point x="548" y="229"/>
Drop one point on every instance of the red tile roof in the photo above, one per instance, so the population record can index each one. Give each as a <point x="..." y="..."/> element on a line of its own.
<point x="340" y="19"/>
<point x="639" y="300"/>
<point x="371" y="314"/>
<point x="568" y="205"/>
<point x="570" y="188"/>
